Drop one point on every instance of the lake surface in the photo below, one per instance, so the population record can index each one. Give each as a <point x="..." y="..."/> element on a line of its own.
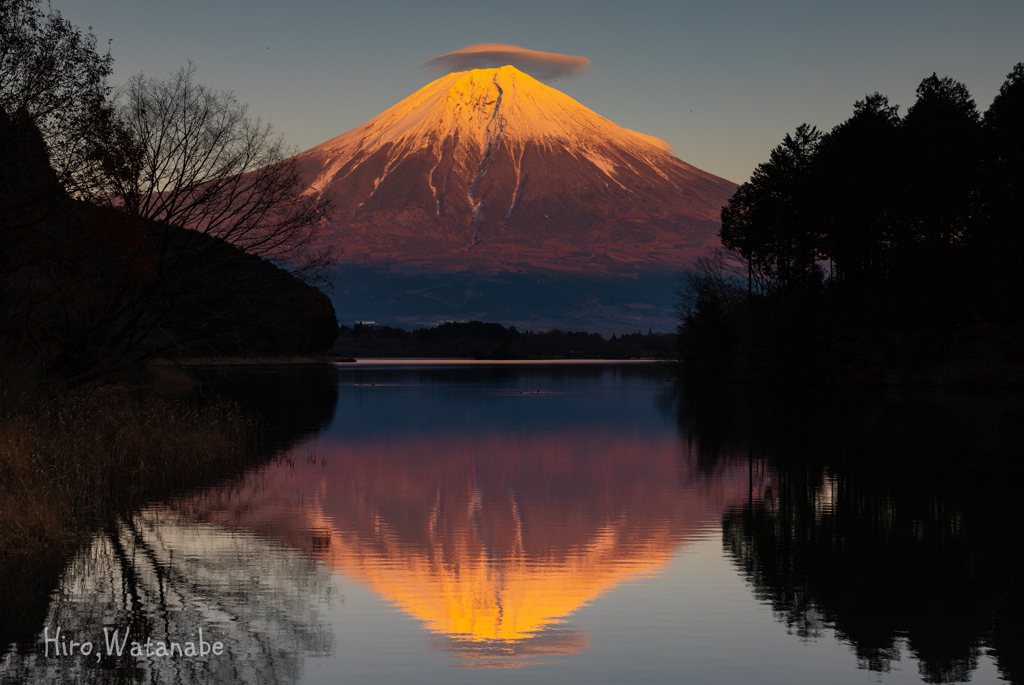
<point x="565" y="523"/>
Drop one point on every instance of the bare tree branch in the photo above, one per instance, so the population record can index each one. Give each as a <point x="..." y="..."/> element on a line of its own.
<point x="196" y="159"/>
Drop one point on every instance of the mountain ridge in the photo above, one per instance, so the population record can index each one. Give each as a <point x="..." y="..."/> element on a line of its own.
<point x="490" y="170"/>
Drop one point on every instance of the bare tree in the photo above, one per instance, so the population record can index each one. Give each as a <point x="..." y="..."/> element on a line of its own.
<point x="193" y="157"/>
<point x="192" y="192"/>
<point x="713" y="283"/>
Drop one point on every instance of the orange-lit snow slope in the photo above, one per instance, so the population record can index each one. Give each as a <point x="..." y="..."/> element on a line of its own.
<point x="491" y="168"/>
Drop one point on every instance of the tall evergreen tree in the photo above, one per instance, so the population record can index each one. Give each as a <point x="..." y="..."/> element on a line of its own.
<point x="853" y="180"/>
<point x="1000" y="249"/>
<point x="768" y="220"/>
<point x="941" y="163"/>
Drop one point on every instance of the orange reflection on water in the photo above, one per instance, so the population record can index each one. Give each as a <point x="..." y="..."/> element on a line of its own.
<point x="490" y="540"/>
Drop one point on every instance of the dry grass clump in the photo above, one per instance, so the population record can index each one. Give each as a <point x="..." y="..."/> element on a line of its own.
<point x="69" y="459"/>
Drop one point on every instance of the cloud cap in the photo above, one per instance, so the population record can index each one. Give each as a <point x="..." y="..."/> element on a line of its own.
<point x="540" y="65"/>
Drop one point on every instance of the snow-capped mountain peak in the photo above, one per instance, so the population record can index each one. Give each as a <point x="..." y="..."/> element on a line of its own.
<point x="482" y="105"/>
<point x="491" y="165"/>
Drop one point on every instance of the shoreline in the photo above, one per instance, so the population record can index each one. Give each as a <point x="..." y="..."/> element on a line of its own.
<point x="391" y="361"/>
<point x="441" y="361"/>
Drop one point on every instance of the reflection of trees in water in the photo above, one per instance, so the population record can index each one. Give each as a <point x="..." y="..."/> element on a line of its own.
<point x="163" y="578"/>
<point x="505" y="375"/>
<point x="26" y="583"/>
<point x="894" y="521"/>
<point x="295" y="401"/>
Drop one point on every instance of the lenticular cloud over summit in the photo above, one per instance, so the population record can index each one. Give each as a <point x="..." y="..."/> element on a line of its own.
<point x="540" y="65"/>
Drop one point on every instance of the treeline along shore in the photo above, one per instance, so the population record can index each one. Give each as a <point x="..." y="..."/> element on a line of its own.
<point x="887" y="250"/>
<point x="480" y="340"/>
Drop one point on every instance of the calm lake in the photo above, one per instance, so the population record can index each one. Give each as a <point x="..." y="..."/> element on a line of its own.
<point x="561" y="523"/>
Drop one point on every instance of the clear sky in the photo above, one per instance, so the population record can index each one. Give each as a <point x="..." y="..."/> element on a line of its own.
<point x="721" y="81"/>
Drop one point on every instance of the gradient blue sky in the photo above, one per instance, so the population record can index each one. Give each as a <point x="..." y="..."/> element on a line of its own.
<point x="722" y="82"/>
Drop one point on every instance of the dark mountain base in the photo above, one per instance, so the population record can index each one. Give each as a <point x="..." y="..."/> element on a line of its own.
<point x="536" y="300"/>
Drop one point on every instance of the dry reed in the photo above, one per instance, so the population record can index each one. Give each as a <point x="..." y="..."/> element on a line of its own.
<point x="69" y="459"/>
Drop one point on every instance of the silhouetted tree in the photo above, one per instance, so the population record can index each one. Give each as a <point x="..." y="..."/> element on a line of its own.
<point x="194" y="157"/>
<point x="1005" y="140"/>
<point x="941" y="163"/>
<point x="711" y="286"/>
<point x="855" y="185"/>
<point x="69" y="271"/>
<point x="767" y="221"/>
<point x="918" y="222"/>
<point x="192" y="193"/>
<point x="1000" y="249"/>
<point x="708" y="291"/>
<point x="51" y="73"/>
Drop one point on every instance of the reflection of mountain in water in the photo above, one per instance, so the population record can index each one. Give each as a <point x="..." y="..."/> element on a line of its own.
<point x="895" y="521"/>
<point x="491" y="539"/>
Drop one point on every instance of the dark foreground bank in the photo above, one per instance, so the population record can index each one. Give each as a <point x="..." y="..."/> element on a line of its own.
<point x="70" y="458"/>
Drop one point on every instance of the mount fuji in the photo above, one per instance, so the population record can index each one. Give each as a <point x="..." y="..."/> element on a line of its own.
<point x="487" y="194"/>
